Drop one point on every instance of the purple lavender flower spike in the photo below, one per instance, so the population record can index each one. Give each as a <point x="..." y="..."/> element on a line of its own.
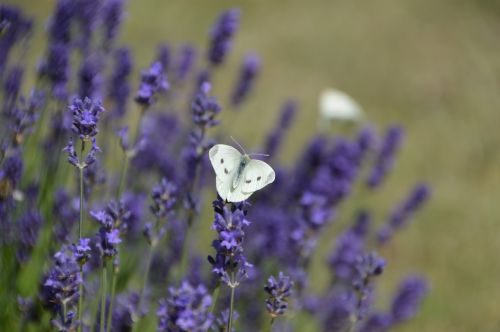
<point x="60" y="22"/>
<point x="112" y="16"/>
<point x="153" y="82"/>
<point x="275" y="138"/>
<point x="386" y="157"/>
<point x="408" y="299"/>
<point x="279" y="291"/>
<point x="87" y="14"/>
<point x="339" y="311"/>
<point x="112" y="224"/>
<point x="61" y="283"/>
<point x="221" y="36"/>
<point x="15" y="27"/>
<point x="403" y="213"/>
<point x="85" y="117"/>
<point x="376" y="322"/>
<point x="11" y="89"/>
<point x="204" y="108"/>
<point x="28" y="228"/>
<point x="229" y="259"/>
<point x="164" y="198"/>
<point x="90" y="77"/>
<point x="185" y="63"/>
<point x="81" y="251"/>
<point x="119" y="86"/>
<point x="185" y="309"/>
<point x="248" y="73"/>
<point x="56" y="69"/>
<point x="164" y="55"/>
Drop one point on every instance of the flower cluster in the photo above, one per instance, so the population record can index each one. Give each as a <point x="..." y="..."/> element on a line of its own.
<point x="229" y="263"/>
<point x="279" y="291"/>
<point x="248" y="73"/>
<point x="153" y="82"/>
<point x="221" y="36"/>
<point x="185" y="309"/>
<point x="112" y="223"/>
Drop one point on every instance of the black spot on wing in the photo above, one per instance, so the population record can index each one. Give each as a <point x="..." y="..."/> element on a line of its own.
<point x="258" y="178"/>
<point x="248" y="181"/>
<point x="221" y="160"/>
<point x="226" y="171"/>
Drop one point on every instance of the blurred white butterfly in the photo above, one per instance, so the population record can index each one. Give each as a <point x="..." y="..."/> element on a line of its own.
<point x="237" y="175"/>
<point x="337" y="105"/>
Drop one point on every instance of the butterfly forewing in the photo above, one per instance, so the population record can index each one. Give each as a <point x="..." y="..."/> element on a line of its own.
<point x="225" y="160"/>
<point x="257" y="175"/>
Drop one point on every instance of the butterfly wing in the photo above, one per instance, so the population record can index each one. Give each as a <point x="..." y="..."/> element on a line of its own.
<point x="225" y="160"/>
<point x="257" y="175"/>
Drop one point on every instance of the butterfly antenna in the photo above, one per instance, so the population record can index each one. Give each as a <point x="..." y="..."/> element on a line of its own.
<point x="235" y="141"/>
<point x="260" y="154"/>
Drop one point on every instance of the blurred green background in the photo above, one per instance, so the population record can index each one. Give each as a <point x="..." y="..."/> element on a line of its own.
<point x="433" y="66"/>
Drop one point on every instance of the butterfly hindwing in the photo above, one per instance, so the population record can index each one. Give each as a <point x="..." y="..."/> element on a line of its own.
<point x="225" y="160"/>
<point x="257" y="175"/>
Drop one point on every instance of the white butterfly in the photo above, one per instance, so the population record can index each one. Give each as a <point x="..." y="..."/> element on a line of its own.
<point x="337" y="105"/>
<point x="237" y="175"/>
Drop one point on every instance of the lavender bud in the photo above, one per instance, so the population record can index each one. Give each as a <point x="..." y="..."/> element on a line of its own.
<point x="186" y="61"/>
<point x="153" y="81"/>
<point x="112" y="16"/>
<point x="408" y="298"/>
<point x="185" y="309"/>
<point x="119" y="86"/>
<point x="385" y="159"/>
<point x="248" y="73"/>
<point x="279" y="291"/>
<point x="221" y="36"/>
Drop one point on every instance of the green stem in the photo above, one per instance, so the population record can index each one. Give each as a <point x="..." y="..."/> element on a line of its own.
<point x="215" y="297"/>
<point x="103" y="295"/>
<point x="231" y="308"/>
<point x="270" y="326"/>
<point x="114" y="274"/>
<point x="144" y="284"/>
<point x="123" y="175"/>
<point x="80" y="224"/>
<point x="80" y="300"/>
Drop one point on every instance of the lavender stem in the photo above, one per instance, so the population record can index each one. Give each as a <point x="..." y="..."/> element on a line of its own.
<point x="113" y="289"/>
<point x="231" y="306"/>
<point x="80" y="226"/>
<point x="103" y="295"/>
<point x="215" y="297"/>
<point x="80" y="300"/>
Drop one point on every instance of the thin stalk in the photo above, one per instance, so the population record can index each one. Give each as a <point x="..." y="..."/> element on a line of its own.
<point x="146" y="274"/>
<point x="103" y="295"/>
<point x="270" y="326"/>
<point x="231" y="308"/>
<point x="80" y="300"/>
<point x="215" y="297"/>
<point x="114" y="274"/>
<point x="123" y="175"/>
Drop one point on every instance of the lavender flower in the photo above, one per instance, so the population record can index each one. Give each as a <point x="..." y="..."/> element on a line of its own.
<point x="56" y="68"/>
<point x="112" y="16"/>
<point x="377" y="322"/>
<point x="339" y="312"/>
<point x="66" y="214"/>
<point x="90" y="77"/>
<point x="11" y="89"/>
<point x="119" y="87"/>
<point x="402" y="214"/>
<point x="87" y="13"/>
<point x="60" y="23"/>
<point x="408" y="298"/>
<point x="385" y="159"/>
<point x="163" y="55"/>
<point x="60" y="286"/>
<point x="28" y="229"/>
<point x="248" y="73"/>
<point x="85" y="117"/>
<point x="275" y="138"/>
<point x="164" y="198"/>
<point x="111" y="220"/>
<point x="81" y="251"/>
<point x="186" y="61"/>
<point x="221" y="36"/>
<point x="186" y="309"/>
<point x="15" y="28"/>
<point x="229" y="263"/>
<point x="153" y="82"/>
<point x="279" y="291"/>
<point x="204" y="108"/>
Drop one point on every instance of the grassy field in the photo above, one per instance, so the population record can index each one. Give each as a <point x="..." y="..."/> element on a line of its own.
<point x="433" y="66"/>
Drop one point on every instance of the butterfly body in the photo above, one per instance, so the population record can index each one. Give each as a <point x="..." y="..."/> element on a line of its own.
<point x="237" y="175"/>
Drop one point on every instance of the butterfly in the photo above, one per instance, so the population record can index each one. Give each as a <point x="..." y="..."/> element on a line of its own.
<point x="237" y="175"/>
